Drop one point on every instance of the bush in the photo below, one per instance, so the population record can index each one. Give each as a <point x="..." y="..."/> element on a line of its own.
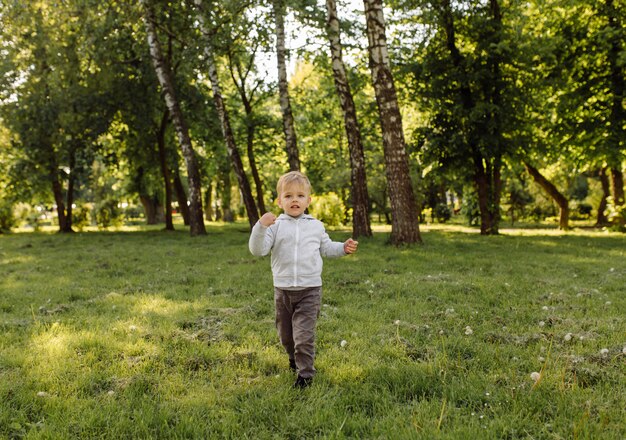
<point x="7" y="219"/>
<point x="108" y="214"/>
<point x="443" y="213"/>
<point x="81" y="216"/>
<point x="328" y="208"/>
<point x="133" y="212"/>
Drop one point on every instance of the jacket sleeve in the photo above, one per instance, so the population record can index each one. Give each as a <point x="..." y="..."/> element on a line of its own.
<point x="261" y="240"/>
<point x="329" y="248"/>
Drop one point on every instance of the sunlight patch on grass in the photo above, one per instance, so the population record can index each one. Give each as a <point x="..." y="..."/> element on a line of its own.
<point x="157" y="305"/>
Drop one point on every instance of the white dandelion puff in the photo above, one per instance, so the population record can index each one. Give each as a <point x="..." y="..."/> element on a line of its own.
<point x="396" y="322"/>
<point x="343" y="343"/>
<point x="541" y="323"/>
<point x="468" y="330"/>
<point x="132" y="328"/>
<point x="568" y="337"/>
<point x="42" y="394"/>
<point x="535" y="376"/>
<point x="604" y="351"/>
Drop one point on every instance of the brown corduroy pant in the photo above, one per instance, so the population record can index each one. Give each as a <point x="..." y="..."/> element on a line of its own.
<point x="296" y="317"/>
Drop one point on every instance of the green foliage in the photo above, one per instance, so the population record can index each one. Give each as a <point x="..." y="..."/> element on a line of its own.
<point x="328" y="208"/>
<point x="442" y="212"/>
<point x="81" y="216"/>
<point x="108" y="214"/>
<point x="145" y="339"/>
<point x="7" y="218"/>
<point x="616" y="214"/>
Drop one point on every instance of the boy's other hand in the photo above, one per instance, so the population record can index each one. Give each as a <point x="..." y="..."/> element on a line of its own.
<point x="268" y="219"/>
<point x="350" y="246"/>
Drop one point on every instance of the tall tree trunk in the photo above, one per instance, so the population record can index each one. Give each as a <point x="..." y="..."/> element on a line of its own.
<point x="165" y="172"/>
<point x="601" y="218"/>
<point x="181" y="197"/>
<point x="164" y="76"/>
<point x="360" y="198"/>
<point x="487" y="175"/>
<point x="208" y="200"/>
<point x="233" y="151"/>
<point x="617" y="118"/>
<point x="289" y="129"/>
<point x="487" y="170"/>
<point x="258" y="184"/>
<point x="404" y="226"/>
<point x="617" y="186"/>
<point x="57" y="190"/>
<point x="553" y="192"/>
<point x="71" y="180"/>
<point x="149" y="208"/>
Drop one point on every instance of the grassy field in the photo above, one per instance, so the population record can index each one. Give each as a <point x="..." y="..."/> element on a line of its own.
<point x="147" y="334"/>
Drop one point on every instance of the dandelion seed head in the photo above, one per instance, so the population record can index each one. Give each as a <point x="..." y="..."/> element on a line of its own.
<point x="396" y="322"/>
<point x="468" y="330"/>
<point x="544" y="308"/>
<point x="111" y="393"/>
<point x="343" y="343"/>
<point x="604" y="351"/>
<point x="535" y="376"/>
<point x="541" y="323"/>
<point x="42" y="394"/>
<point x="568" y="337"/>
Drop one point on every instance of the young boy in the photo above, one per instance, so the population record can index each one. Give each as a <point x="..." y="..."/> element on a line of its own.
<point x="297" y="242"/>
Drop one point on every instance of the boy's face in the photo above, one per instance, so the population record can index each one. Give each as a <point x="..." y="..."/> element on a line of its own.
<point x="294" y="200"/>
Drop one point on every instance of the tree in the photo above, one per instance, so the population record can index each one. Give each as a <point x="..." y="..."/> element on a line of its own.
<point x="164" y="75"/>
<point x="404" y="226"/>
<point x="291" y="145"/>
<point x="360" y="198"/>
<point x="229" y="138"/>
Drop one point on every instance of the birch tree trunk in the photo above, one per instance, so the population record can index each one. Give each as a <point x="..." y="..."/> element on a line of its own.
<point x="404" y="222"/>
<point x="233" y="151"/>
<point x="289" y="129"/>
<point x="552" y="192"/>
<point x="167" y="181"/>
<point x="164" y="76"/>
<point x="360" y="198"/>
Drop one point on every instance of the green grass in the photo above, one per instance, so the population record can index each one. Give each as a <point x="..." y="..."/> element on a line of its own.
<point x="148" y="334"/>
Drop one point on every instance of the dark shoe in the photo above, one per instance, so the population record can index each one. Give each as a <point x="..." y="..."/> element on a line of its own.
<point x="292" y="365"/>
<point x="303" y="382"/>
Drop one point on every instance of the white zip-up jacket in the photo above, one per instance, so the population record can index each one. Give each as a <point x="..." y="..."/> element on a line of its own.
<point x="297" y="246"/>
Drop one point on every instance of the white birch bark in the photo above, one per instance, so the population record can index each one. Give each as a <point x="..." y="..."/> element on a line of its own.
<point x="360" y="198"/>
<point x="229" y="138"/>
<point x="404" y="224"/>
<point x="289" y="129"/>
<point x="164" y="75"/>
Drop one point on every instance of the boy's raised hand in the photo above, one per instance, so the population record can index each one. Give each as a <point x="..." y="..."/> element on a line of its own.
<point x="268" y="219"/>
<point x="350" y="246"/>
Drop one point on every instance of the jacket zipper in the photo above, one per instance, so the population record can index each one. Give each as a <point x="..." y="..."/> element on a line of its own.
<point x="295" y="256"/>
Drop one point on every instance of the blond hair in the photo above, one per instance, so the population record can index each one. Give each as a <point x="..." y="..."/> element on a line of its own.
<point x="293" y="177"/>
